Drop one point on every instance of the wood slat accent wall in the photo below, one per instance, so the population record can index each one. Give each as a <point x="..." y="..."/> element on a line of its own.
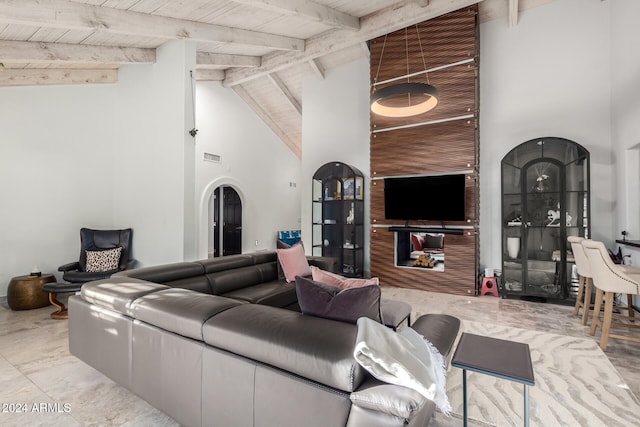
<point x="444" y="140"/>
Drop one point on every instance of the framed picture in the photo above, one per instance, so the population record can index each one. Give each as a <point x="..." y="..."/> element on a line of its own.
<point x="352" y="188"/>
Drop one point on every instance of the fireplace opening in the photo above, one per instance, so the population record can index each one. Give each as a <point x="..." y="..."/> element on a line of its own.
<point x="419" y="250"/>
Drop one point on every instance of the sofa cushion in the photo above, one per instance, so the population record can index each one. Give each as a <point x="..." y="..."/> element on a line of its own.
<point x="273" y="293"/>
<point x="314" y="348"/>
<point x="118" y="293"/>
<point x="345" y="305"/>
<point x="294" y="262"/>
<point x="229" y="262"/>
<point x="226" y="281"/>
<point x="339" y="281"/>
<point x="262" y="257"/>
<point x="165" y="273"/>
<point x="194" y="283"/>
<point x="180" y="310"/>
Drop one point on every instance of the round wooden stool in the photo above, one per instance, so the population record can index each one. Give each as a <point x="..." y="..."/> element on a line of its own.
<point x="60" y="288"/>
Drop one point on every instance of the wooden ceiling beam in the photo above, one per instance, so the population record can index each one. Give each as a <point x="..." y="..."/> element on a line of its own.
<point x="79" y="16"/>
<point x="38" y="52"/>
<point x="307" y="10"/>
<point x="513" y="13"/>
<point x="212" y="60"/>
<point x="49" y="76"/>
<point x="372" y="26"/>
<point x="293" y="145"/>
<point x="317" y="68"/>
<point x="284" y="90"/>
<point x="209" y="75"/>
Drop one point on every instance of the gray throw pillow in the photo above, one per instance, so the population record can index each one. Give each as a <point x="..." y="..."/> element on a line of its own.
<point x="433" y="241"/>
<point x="346" y="305"/>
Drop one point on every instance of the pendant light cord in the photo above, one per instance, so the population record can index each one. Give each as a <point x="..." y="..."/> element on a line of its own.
<point x="193" y="132"/>
<point x="375" y="79"/>
<point x="424" y="63"/>
<point x="406" y="52"/>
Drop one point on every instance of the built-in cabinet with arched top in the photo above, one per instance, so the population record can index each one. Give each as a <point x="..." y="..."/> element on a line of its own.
<point x="545" y="198"/>
<point x="338" y="216"/>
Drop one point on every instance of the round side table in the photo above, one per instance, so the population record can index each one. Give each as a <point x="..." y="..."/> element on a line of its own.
<point x="25" y="292"/>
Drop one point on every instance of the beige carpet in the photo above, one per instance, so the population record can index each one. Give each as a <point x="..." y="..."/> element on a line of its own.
<point x="576" y="385"/>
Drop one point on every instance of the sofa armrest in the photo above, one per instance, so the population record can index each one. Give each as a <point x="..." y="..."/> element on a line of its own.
<point x="395" y="400"/>
<point x="70" y="266"/>
<point x="440" y="329"/>
<point x="324" y="263"/>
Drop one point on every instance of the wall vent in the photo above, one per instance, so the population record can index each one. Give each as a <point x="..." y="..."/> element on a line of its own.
<point x="208" y="157"/>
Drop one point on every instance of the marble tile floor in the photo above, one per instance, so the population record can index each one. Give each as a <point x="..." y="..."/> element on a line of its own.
<point x="41" y="384"/>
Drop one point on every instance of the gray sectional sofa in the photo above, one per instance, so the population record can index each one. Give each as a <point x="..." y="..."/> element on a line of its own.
<point x="238" y="358"/>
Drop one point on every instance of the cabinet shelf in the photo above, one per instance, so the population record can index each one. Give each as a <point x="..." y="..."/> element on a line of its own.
<point x="338" y="216"/>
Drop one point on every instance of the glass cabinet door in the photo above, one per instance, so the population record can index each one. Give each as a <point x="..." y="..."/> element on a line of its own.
<point x="544" y="206"/>
<point x="545" y="199"/>
<point x="513" y="229"/>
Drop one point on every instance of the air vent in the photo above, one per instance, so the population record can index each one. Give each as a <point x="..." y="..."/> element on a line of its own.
<point x="208" y="157"/>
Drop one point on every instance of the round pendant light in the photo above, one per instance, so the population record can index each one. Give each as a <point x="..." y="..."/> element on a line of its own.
<point x="404" y="100"/>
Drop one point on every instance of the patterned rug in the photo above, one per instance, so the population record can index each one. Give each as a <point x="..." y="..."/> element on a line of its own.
<point x="576" y="385"/>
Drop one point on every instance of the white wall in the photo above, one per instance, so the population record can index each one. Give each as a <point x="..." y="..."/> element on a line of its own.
<point x="548" y="76"/>
<point x="155" y="163"/>
<point x="254" y="161"/>
<point x="99" y="156"/>
<point x="56" y="173"/>
<point x="625" y="124"/>
<point x="335" y="127"/>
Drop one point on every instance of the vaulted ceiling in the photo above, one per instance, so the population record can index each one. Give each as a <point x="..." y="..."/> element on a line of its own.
<point x="262" y="49"/>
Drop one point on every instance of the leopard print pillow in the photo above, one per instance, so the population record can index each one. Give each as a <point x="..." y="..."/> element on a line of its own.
<point x="103" y="260"/>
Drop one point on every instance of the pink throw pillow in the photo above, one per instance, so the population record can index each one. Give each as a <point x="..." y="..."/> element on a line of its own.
<point x="294" y="262"/>
<point x="340" y="281"/>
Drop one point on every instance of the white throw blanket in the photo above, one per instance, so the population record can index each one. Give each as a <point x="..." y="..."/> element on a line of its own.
<point x="403" y="358"/>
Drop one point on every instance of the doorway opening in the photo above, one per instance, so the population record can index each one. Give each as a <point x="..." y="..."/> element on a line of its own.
<point x="225" y="211"/>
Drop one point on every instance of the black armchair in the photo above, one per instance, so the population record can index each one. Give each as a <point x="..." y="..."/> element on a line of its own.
<point x="99" y="240"/>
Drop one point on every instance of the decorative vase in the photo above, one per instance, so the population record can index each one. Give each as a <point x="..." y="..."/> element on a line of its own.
<point x="513" y="247"/>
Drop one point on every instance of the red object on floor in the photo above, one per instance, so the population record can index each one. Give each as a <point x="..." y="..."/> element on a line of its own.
<point x="489" y="286"/>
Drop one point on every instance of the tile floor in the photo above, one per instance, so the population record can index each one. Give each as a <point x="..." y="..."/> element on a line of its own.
<point x="41" y="384"/>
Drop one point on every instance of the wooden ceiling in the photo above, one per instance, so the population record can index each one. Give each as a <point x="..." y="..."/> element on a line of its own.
<point x="260" y="48"/>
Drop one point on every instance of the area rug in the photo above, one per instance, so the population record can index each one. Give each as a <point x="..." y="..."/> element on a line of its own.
<point x="576" y="385"/>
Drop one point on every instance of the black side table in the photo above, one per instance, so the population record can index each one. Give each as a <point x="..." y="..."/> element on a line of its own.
<point x="504" y="359"/>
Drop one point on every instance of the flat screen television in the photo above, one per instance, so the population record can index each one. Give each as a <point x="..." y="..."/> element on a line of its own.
<point x="427" y="198"/>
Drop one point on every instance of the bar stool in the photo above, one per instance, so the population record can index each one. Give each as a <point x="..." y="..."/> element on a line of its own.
<point x="585" y="278"/>
<point x="610" y="279"/>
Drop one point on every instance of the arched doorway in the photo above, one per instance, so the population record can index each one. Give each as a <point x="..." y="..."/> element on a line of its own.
<point x="225" y="209"/>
